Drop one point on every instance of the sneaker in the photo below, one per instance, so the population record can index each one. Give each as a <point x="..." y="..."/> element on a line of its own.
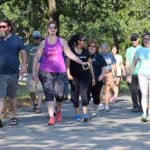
<point x="51" y="121"/>
<point x="85" y="117"/>
<point x="107" y="108"/>
<point x="58" y="116"/>
<point x="113" y="99"/>
<point x="77" y="117"/>
<point x="37" y="110"/>
<point x="101" y="107"/>
<point x="135" y="109"/>
<point x="1" y="124"/>
<point x="144" y="118"/>
<point x="148" y="118"/>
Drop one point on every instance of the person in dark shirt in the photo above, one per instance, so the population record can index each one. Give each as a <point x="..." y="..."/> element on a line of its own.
<point x="99" y="68"/>
<point x="10" y="47"/>
<point x="80" y="76"/>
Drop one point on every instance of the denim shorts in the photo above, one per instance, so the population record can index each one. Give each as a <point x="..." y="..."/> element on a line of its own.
<point x="53" y="85"/>
<point x="9" y="84"/>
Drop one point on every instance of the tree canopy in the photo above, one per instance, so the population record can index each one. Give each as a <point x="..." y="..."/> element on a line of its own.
<point x="101" y="20"/>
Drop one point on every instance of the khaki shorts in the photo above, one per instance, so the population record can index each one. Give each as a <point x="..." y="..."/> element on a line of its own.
<point x="108" y="78"/>
<point x="32" y="86"/>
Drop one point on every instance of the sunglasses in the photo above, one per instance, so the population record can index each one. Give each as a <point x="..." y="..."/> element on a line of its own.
<point x="146" y="38"/>
<point x="3" y="27"/>
<point x="92" y="46"/>
<point x="52" y="27"/>
<point x="133" y="40"/>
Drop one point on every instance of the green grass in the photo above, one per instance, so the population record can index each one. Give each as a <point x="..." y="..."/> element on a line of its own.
<point x="22" y="90"/>
<point x="23" y="93"/>
<point x="124" y="89"/>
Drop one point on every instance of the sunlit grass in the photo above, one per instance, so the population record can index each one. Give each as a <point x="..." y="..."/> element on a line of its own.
<point x="22" y="90"/>
<point x="124" y="89"/>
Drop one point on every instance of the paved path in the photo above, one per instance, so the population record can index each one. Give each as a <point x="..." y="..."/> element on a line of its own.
<point x="119" y="129"/>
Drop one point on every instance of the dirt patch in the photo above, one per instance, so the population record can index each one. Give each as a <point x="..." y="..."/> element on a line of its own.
<point x="20" y="103"/>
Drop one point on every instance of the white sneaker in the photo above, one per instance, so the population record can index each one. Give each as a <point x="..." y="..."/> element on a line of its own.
<point x="101" y="107"/>
<point x="107" y="108"/>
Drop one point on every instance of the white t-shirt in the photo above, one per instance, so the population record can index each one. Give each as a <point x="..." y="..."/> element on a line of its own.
<point x="119" y="62"/>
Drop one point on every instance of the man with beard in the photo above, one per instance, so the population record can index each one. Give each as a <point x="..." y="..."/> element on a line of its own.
<point x="10" y="48"/>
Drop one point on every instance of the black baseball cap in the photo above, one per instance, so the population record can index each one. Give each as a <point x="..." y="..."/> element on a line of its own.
<point x="134" y="36"/>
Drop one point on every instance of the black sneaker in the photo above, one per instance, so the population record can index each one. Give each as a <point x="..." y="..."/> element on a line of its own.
<point x="135" y="109"/>
<point x="1" y="125"/>
<point x="85" y="117"/>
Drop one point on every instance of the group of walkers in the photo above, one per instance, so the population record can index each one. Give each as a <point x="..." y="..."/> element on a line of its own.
<point x="92" y="72"/>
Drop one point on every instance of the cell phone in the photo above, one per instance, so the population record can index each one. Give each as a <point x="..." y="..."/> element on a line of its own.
<point x="86" y="66"/>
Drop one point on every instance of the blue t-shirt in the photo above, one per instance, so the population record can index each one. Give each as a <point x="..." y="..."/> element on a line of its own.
<point x="143" y="54"/>
<point x="9" y="54"/>
<point x="98" y="63"/>
<point x="109" y="59"/>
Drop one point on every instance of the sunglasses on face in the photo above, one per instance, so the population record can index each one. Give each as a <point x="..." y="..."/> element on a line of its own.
<point x="52" y="27"/>
<point x="92" y="46"/>
<point x="133" y="40"/>
<point x="3" y="26"/>
<point x="146" y="38"/>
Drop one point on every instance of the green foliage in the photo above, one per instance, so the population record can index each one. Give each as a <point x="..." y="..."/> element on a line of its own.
<point x="106" y="20"/>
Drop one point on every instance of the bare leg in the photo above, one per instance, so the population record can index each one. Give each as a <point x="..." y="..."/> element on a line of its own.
<point x="1" y="106"/>
<point x="13" y="104"/>
<point x="51" y="108"/>
<point x="33" y="98"/>
<point x="107" y="95"/>
<point x="77" y="110"/>
<point x="40" y="98"/>
<point x="59" y="106"/>
<point x="84" y="108"/>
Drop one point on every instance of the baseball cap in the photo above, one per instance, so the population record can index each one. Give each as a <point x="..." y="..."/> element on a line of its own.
<point x="104" y="45"/>
<point x="36" y="34"/>
<point x="134" y="36"/>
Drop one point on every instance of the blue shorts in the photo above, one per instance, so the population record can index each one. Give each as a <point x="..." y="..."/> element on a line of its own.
<point x="53" y="85"/>
<point x="9" y="84"/>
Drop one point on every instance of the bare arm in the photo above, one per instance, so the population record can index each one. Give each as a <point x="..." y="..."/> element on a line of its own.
<point x="37" y="58"/>
<point x="114" y="68"/>
<point x="69" y="53"/>
<point x="101" y="76"/>
<point x="135" y="61"/>
<point x="91" y="69"/>
<point x="127" y="67"/>
<point x="70" y="77"/>
<point x="23" y="55"/>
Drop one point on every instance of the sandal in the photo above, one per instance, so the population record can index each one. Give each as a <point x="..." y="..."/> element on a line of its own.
<point x="13" y="121"/>
<point x="37" y="110"/>
<point x="35" y="107"/>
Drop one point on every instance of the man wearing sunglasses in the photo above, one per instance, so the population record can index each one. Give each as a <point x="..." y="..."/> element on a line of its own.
<point x="10" y="48"/>
<point x="133" y="84"/>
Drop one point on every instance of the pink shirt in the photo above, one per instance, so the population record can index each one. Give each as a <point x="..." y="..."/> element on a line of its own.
<point x="52" y="58"/>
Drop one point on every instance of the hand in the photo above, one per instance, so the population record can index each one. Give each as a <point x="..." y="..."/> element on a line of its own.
<point x="70" y="77"/>
<point x="101" y="77"/>
<point x="35" y="77"/>
<point x="85" y="65"/>
<point x="129" y="78"/>
<point x="23" y="69"/>
<point x="93" y="82"/>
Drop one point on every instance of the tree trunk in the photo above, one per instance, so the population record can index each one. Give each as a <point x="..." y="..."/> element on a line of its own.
<point x="53" y="11"/>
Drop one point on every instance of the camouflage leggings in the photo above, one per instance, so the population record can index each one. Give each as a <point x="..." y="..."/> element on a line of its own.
<point x="53" y="85"/>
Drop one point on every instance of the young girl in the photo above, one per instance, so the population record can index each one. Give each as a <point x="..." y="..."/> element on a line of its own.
<point x="120" y="72"/>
